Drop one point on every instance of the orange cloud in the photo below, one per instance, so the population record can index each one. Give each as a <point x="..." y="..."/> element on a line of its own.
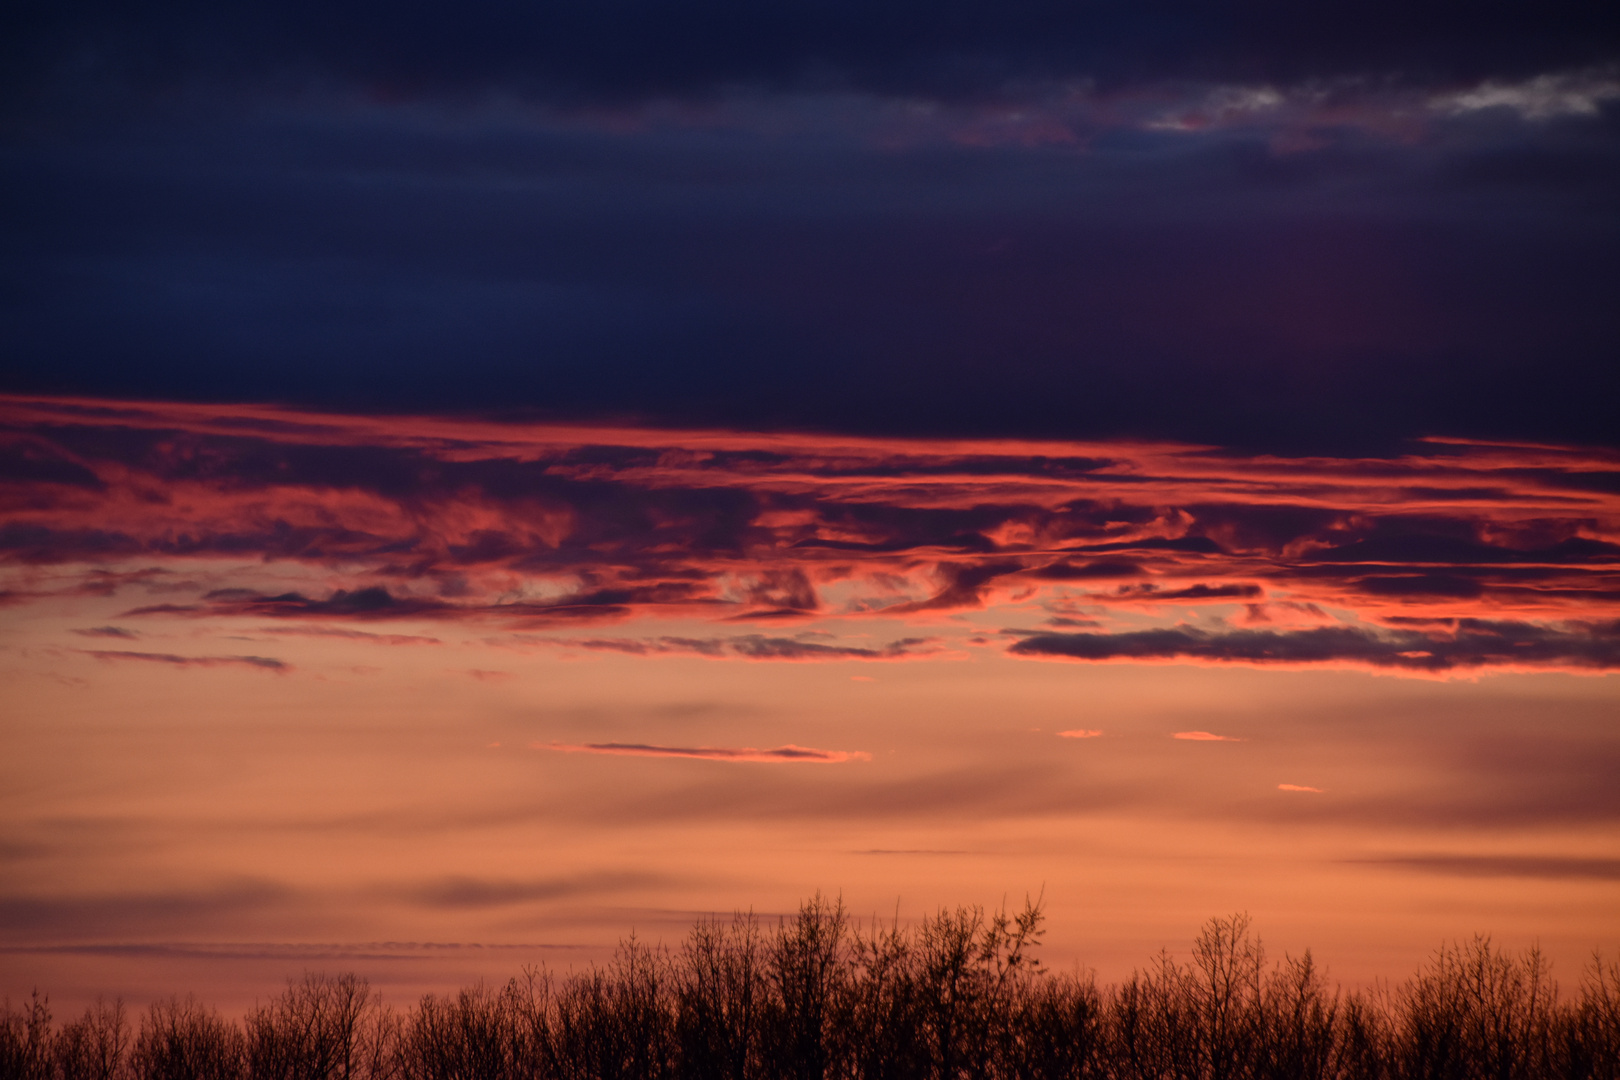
<point x="1080" y="733"/>
<point x="1297" y="787"/>
<point x="778" y="755"/>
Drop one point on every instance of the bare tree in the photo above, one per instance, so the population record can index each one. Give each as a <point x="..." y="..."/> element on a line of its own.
<point x="96" y="1046"/>
<point x="807" y="966"/>
<point x="25" y="1039"/>
<point x="321" y="1028"/>
<point x="721" y="992"/>
<point x="957" y="995"/>
<point x="182" y="1040"/>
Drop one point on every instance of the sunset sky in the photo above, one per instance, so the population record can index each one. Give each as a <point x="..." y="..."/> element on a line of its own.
<point x="476" y="481"/>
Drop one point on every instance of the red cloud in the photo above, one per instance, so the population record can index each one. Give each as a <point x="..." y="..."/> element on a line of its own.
<point x="1511" y="552"/>
<point x="779" y="755"/>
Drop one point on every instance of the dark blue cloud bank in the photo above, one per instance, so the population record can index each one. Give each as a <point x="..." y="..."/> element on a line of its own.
<point x="1290" y="227"/>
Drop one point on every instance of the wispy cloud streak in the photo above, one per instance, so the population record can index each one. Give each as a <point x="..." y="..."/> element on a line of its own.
<point x="750" y="646"/>
<point x="266" y="663"/>
<point x="1470" y="644"/>
<point x="788" y="754"/>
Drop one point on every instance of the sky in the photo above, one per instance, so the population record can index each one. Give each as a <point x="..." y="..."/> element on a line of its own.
<point x="479" y="480"/>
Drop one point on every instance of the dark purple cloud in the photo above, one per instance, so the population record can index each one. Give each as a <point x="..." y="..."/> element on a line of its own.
<point x="176" y="912"/>
<point x="1300" y="228"/>
<point x="1149" y="591"/>
<point x="469" y="892"/>
<point x="268" y="663"/>
<point x="752" y="647"/>
<point x="1473" y="643"/>
<point x="108" y="632"/>
<point x="789" y="754"/>
<point x="1073" y="570"/>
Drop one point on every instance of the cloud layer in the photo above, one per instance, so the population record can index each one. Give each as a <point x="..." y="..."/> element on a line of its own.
<point x="1454" y="557"/>
<point x="1292" y="228"/>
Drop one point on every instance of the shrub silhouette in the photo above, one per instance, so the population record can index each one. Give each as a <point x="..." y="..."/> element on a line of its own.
<point x="960" y="994"/>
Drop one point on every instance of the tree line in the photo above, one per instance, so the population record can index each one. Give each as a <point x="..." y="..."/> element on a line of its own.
<point x="819" y="997"/>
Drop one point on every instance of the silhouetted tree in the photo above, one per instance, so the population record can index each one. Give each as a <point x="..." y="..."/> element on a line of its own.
<point x="182" y="1040"/>
<point x="96" y="1046"/>
<point x="721" y="995"/>
<point x="25" y="1039"/>
<point x="321" y="1028"/>
<point x="807" y="967"/>
<point x="1476" y="1012"/>
<point x="957" y="995"/>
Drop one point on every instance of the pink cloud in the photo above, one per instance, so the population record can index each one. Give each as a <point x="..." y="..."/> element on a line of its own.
<point x="1297" y="787"/>
<point x="777" y="755"/>
<point x="1205" y="736"/>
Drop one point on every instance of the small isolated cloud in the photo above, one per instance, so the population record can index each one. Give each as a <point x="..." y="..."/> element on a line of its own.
<point x="1540" y="98"/>
<point x="1221" y="106"/>
<point x="267" y="663"/>
<point x="483" y="675"/>
<point x="1204" y="736"/>
<point x="107" y="632"/>
<point x="777" y="755"/>
<point x="1297" y="787"/>
<point x="1080" y="733"/>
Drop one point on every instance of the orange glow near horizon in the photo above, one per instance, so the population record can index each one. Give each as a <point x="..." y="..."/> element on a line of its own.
<point x="447" y="696"/>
